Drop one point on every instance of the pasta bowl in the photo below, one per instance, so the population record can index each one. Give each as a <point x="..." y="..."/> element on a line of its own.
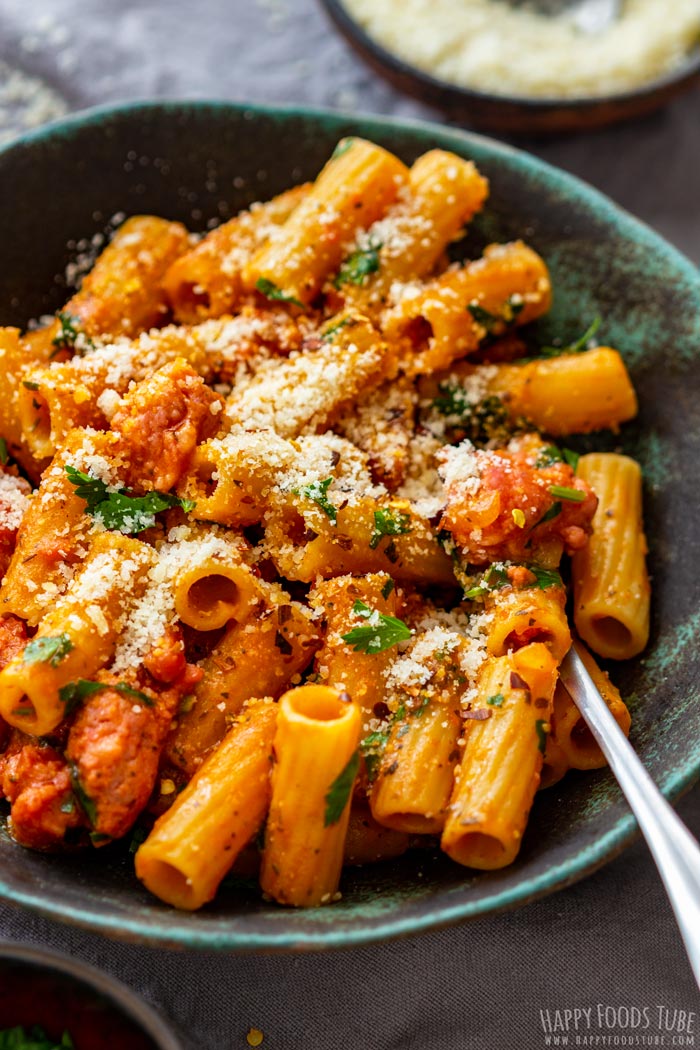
<point x="198" y="162"/>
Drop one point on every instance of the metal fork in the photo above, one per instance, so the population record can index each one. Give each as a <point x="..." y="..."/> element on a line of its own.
<point x="675" y="851"/>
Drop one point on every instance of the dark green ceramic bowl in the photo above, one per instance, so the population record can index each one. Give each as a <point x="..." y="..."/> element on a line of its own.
<point x="194" y="161"/>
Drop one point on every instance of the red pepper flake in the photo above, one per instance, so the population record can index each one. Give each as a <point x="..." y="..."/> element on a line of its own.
<point x="479" y="715"/>
<point x="517" y="681"/>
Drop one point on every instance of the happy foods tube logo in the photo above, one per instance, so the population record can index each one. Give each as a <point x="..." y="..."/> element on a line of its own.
<point x="607" y="1025"/>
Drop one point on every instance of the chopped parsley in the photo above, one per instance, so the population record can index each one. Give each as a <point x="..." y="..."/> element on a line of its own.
<point x="541" y="730"/>
<point x="510" y="312"/>
<point x="34" y="1038"/>
<point x="578" y="346"/>
<point x="29" y="384"/>
<point x="318" y="492"/>
<point x="495" y="577"/>
<point x="361" y="264"/>
<point x="380" y="632"/>
<point x="550" y="455"/>
<point x="328" y="334"/>
<point x="4" y="454"/>
<point x="572" y="495"/>
<point x="497" y="700"/>
<point x="387" y="588"/>
<point x="553" y="512"/>
<point x="73" y="694"/>
<point x="343" y="146"/>
<point x="372" y="748"/>
<point x="389" y="522"/>
<point x="139" y="834"/>
<point x="479" y="420"/>
<point x="87" y="804"/>
<point x="545" y="578"/>
<point x="338" y="793"/>
<point x="270" y="290"/>
<point x="71" y="335"/>
<point x="118" y="510"/>
<point x="49" y="650"/>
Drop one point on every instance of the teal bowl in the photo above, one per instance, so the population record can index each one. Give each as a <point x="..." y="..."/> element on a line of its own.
<point x="197" y="161"/>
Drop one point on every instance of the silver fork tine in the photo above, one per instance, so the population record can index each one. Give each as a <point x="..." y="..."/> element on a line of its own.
<point x="675" y="851"/>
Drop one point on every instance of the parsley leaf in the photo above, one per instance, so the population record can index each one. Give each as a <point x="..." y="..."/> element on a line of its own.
<point x="361" y="264"/>
<point x="389" y="522"/>
<point x="380" y="632"/>
<point x="480" y="420"/>
<point x="387" y="588"/>
<point x="553" y="512"/>
<point x="270" y="290"/>
<point x="545" y="578"/>
<point x="318" y="492"/>
<point x="87" y="804"/>
<point x="73" y="694"/>
<point x="509" y="314"/>
<point x="343" y="146"/>
<point x="497" y="700"/>
<point x="578" y="346"/>
<point x="338" y="793"/>
<point x="34" y="1038"/>
<point x="541" y="734"/>
<point x="71" y="336"/>
<point x="550" y="454"/>
<point x="50" y="650"/>
<point x="328" y="334"/>
<point x="118" y="510"/>
<point x="372" y="748"/>
<point x="4" y="454"/>
<point x="572" y="495"/>
<point x="495" y="577"/>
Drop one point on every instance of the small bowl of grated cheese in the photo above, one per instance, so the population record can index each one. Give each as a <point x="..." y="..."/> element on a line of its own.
<point x="514" y="69"/>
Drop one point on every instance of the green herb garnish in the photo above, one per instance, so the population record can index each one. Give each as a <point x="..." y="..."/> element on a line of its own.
<point x="380" y="632"/>
<point x="497" y="700"/>
<point x="34" y="1038"/>
<point x="372" y="748"/>
<point x="270" y="290"/>
<point x="29" y="384"/>
<point x="338" y="793"/>
<point x="480" y="420"/>
<point x="73" y="694"/>
<point x="578" y="346"/>
<point x="318" y="492"/>
<point x="343" y="146"/>
<point x="119" y="511"/>
<point x="328" y="334"/>
<point x="541" y="734"/>
<point x="550" y="455"/>
<point x="361" y="264"/>
<point x="512" y="308"/>
<point x="71" y="336"/>
<point x="4" y="454"/>
<point x="495" y="577"/>
<point x="572" y="495"/>
<point x="50" y="650"/>
<point x="389" y="522"/>
<point x="86" y="803"/>
<point x="545" y="578"/>
<point x="387" y="588"/>
<point x="553" y="512"/>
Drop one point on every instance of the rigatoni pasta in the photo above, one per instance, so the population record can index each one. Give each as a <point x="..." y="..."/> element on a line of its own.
<point x="284" y="582"/>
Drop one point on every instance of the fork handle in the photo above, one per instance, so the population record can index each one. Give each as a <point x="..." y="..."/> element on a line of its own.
<point x="675" y="851"/>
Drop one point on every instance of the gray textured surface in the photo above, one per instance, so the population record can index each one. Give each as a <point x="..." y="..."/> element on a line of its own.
<point x="609" y="940"/>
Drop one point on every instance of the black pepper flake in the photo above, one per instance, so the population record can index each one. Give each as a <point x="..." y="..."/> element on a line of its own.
<point x="391" y="552"/>
<point x="282" y="644"/>
<point x="335" y="458"/>
<point x="480" y="715"/>
<point x="392" y="768"/>
<point x="284" y="613"/>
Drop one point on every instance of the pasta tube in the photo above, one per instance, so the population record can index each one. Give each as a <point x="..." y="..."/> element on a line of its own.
<point x="77" y="637"/>
<point x="367" y="842"/>
<point x="354" y="189"/>
<point x="611" y="585"/>
<point x="256" y="657"/>
<point x="570" y="730"/>
<point x="316" y="761"/>
<point x="520" y="617"/>
<point x="338" y="664"/>
<point x="568" y="394"/>
<point x="508" y="286"/>
<point x="555" y="763"/>
<point x="197" y="840"/>
<point x="206" y="281"/>
<point x="500" y="766"/>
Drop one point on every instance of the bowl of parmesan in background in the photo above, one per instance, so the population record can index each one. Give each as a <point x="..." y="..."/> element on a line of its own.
<point x="512" y="69"/>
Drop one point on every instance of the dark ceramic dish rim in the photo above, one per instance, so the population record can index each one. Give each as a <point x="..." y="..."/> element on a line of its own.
<point x="393" y="61"/>
<point x="124" y="999"/>
<point x="176" y="930"/>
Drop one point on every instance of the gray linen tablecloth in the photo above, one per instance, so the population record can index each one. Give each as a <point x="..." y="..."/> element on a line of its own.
<point x="609" y="941"/>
